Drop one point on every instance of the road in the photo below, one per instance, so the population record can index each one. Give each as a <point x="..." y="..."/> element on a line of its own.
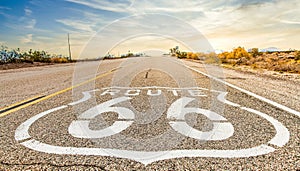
<point x="148" y="113"/>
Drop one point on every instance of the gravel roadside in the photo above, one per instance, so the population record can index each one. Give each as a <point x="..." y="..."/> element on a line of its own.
<point x="284" y="90"/>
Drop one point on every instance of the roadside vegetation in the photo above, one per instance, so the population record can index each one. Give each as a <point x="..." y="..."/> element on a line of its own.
<point x="128" y="55"/>
<point x="15" y="58"/>
<point x="8" y="56"/>
<point x="281" y="61"/>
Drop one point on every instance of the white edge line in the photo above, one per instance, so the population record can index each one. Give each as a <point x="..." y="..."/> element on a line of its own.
<point x="285" y="108"/>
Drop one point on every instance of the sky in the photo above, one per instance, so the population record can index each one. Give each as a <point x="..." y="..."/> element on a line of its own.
<point x="119" y="26"/>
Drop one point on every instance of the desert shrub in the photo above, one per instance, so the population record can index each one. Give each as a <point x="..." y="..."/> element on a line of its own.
<point x="223" y="57"/>
<point x="211" y="57"/>
<point x="195" y="56"/>
<point x="297" y="55"/>
<point x="189" y="55"/>
<point x="286" y="66"/>
<point x="240" y="53"/>
<point x="181" y="54"/>
<point x="242" y="61"/>
<point x="255" y="52"/>
<point x="59" y="60"/>
<point x="237" y="53"/>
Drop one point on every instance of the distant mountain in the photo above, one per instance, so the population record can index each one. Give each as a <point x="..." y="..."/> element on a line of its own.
<point x="270" y="49"/>
<point x="218" y="51"/>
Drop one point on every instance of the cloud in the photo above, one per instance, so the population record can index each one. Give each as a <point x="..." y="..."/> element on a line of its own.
<point x="106" y="5"/>
<point x="226" y="24"/>
<point x="250" y="24"/>
<point x="290" y="22"/>
<point x="27" y="39"/>
<point x="77" y="24"/>
<point x="142" y="6"/>
<point x="3" y="11"/>
<point x="4" y="8"/>
<point x="27" y="11"/>
<point x="30" y="24"/>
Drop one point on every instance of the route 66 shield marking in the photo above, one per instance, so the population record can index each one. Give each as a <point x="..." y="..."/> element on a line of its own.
<point x="222" y="129"/>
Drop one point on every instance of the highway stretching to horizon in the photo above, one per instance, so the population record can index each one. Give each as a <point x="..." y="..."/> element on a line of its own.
<point x="147" y="113"/>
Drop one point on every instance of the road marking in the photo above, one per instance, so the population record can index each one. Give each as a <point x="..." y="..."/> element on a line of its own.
<point x="221" y="98"/>
<point x="280" y="106"/>
<point x="80" y="128"/>
<point x="56" y="93"/>
<point x="178" y="110"/>
<point x="155" y="91"/>
<point x="15" y="105"/>
<point x="282" y="133"/>
<point x="146" y="157"/>
<point x="22" y="131"/>
<point x="86" y="96"/>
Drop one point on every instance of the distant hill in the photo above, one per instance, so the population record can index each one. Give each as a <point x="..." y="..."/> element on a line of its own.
<point x="218" y="51"/>
<point x="270" y="49"/>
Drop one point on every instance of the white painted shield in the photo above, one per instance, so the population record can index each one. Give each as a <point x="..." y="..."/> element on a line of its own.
<point x="222" y="130"/>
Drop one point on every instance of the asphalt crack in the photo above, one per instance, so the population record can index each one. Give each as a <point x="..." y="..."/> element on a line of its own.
<point x="147" y="73"/>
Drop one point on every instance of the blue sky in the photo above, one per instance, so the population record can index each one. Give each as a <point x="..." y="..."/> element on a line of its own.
<point x="44" y="24"/>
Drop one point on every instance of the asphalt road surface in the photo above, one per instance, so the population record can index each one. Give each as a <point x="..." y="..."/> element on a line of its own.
<point x="148" y="113"/>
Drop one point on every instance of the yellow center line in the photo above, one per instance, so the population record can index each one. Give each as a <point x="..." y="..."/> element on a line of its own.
<point x="18" y="103"/>
<point x="52" y="95"/>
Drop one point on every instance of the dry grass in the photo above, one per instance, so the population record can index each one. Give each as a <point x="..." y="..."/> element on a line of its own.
<point x="273" y="61"/>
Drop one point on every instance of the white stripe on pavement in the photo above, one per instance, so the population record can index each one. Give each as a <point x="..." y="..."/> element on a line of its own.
<point x="280" y="106"/>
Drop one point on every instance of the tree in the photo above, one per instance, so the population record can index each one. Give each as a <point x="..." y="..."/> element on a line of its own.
<point x="255" y="52"/>
<point x="175" y="51"/>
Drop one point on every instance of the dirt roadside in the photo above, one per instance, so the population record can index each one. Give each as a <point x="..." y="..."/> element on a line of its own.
<point x="22" y="65"/>
<point x="260" y="72"/>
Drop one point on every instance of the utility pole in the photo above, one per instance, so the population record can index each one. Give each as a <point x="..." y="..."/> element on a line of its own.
<point x="70" y="55"/>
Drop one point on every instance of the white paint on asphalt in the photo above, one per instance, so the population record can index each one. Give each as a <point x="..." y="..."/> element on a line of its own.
<point x="221" y="98"/>
<point x="123" y="113"/>
<point x="175" y="92"/>
<point x="80" y="128"/>
<point x="197" y="93"/>
<point x="86" y="96"/>
<point x="132" y="92"/>
<point x="155" y="91"/>
<point x="150" y="93"/>
<point x="220" y="131"/>
<point x="282" y="133"/>
<point x="146" y="157"/>
<point x="156" y="87"/>
<point x="111" y="92"/>
<point x="22" y="132"/>
<point x="280" y="106"/>
<point x="176" y="111"/>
